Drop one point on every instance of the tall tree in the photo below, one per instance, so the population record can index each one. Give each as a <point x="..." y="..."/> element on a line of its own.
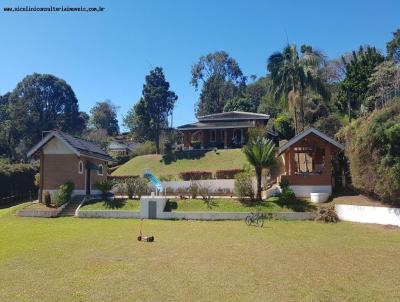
<point x="220" y="79"/>
<point x="40" y="102"/>
<point x="260" y="153"/>
<point x="353" y="89"/>
<point x="149" y="116"/>
<point x="393" y="47"/>
<point x="104" y="116"/>
<point x="292" y="73"/>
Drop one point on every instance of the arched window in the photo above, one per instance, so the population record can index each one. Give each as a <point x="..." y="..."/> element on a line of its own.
<point x="100" y="170"/>
<point x="80" y="167"/>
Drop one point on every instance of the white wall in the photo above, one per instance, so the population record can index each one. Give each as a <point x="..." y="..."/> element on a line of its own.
<point x="55" y="146"/>
<point x="304" y="191"/>
<point x="213" y="184"/>
<point x="367" y="214"/>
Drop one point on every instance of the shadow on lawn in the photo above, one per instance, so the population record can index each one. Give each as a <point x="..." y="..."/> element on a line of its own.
<point x="297" y="205"/>
<point x="192" y="154"/>
<point x="116" y="203"/>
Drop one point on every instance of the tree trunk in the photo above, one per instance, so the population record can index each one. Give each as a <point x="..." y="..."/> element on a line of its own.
<point x="258" y="175"/>
<point x="349" y="109"/>
<point x="157" y="140"/>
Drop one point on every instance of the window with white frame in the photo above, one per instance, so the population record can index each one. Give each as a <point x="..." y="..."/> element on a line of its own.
<point x="100" y="170"/>
<point x="80" y="167"/>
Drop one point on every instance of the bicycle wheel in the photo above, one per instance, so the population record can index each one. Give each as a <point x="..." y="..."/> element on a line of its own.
<point x="248" y="220"/>
<point x="260" y="222"/>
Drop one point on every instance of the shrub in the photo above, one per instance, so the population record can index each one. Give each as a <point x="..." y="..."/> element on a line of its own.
<point x="63" y="195"/>
<point x="47" y="199"/>
<point x="205" y="191"/>
<point x="104" y="186"/>
<point x="244" y="185"/>
<point x="327" y="215"/>
<point x="145" y="148"/>
<point x="18" y="180"/>
<point x="287" y="196"/>
<point x="195" y="175"/>
<point x="373" y="150"/>
<point x="227" y="174"/>
<point x="193" y="189"/>
<point x="135" y="187"/>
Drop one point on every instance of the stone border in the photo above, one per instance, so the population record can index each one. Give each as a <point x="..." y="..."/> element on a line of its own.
<point x="41" y="213"/>
<point x="193" y="215"/>
<point x="368" y="214"/>
<point x="106" y="214"/>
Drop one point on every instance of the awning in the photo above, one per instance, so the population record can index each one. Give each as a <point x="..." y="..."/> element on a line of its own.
<point x="92" y="166"/>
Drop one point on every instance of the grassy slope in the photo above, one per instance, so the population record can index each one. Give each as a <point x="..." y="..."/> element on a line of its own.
<point x="71" y="259"/>
<point x="225" y="205"/>
<point x="211" y="161"/>
<point x="121" y="205"/>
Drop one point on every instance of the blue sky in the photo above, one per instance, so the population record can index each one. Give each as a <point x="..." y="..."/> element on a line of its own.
<point x="107" y="55"/>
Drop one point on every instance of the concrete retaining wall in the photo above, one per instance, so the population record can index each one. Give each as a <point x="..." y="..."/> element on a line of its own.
<point x="222" y="186"/>
<point x="107" y="214"/>
<point x="194" y="215"/>
<point x="41" y="213"/>
<point x="367" y="214"/>
<point x="304" y="191"/>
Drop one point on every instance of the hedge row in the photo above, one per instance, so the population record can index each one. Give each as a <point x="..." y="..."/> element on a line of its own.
<point x="227" y="174"/>
<point x="17" y="180"/>
<point x="195" y="175"/>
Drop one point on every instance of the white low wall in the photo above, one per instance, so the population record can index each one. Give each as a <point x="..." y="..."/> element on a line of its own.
<point x="107" y="214"/>
<point x="215" y="185"/>
<point x="144" y="205"/>
<point x="367" y="214"/>
<point x="194" y="215"/>
<point x="304" y="191"/>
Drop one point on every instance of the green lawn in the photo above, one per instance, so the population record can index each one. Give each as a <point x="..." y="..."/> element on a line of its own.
<point x="117" y="204"/>
<point x="73" y="259"/>
<point x="207" y="161"/>
<point x="223" y="205"/>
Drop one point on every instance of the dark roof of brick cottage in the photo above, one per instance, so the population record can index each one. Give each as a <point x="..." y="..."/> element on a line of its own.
<point x="78" y="145"/>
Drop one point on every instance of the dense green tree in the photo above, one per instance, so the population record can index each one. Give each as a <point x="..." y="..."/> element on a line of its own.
<point x="383" y="86"/>
<point x="220" y="78"/>
<point x="283" y="124"/>
<point x="393" y="47"/>
<point x="40" y="102"/>
<point x="239" y="104"/>
<point x="353" y="89"/>
<point x="314" y="108"/>
<point x="330" y="125"/>
<point x="149" y="116"/>
<point x="104" y="116"/>
<point x="373" y="150"/>
<point x="260" y="153"/>
<point x="292" y="73"/>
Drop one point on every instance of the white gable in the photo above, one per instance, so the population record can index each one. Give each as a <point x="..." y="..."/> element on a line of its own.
<point x="56" y="146"/>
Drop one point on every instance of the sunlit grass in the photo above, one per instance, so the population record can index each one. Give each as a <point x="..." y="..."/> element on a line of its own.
<point x="74" y="259"/>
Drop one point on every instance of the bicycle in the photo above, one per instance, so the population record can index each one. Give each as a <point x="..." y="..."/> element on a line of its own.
<point x="256" y="219"/>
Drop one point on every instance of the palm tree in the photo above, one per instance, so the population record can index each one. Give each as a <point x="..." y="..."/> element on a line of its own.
<point x="293" y="73"/>
<point x="260" y="153"/>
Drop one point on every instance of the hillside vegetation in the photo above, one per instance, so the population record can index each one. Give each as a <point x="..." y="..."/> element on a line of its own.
<point x="202" y="161"/>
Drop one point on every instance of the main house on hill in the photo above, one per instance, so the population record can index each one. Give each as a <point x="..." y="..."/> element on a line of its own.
<point x="64" y="158"/>
<point x="221" y="130"/>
